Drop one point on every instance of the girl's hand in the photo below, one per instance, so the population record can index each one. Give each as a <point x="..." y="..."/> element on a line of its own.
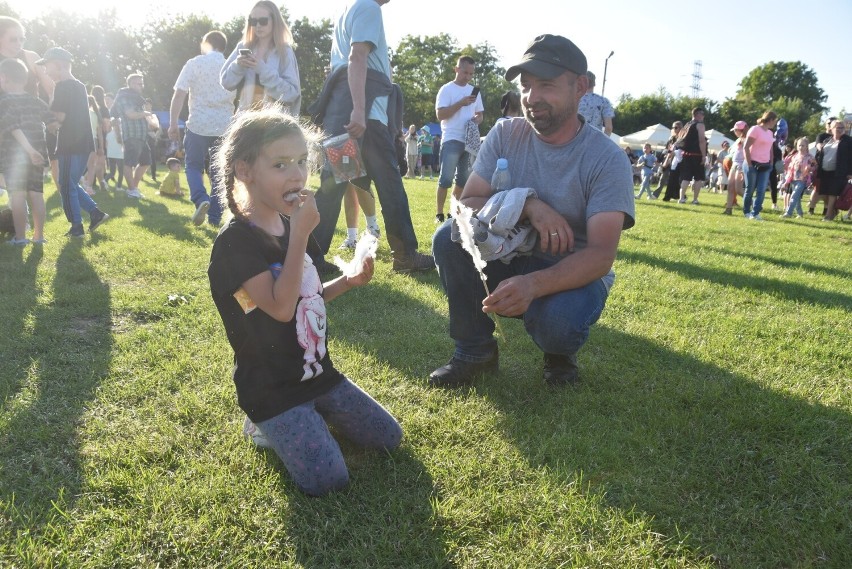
<point x="364" y="276"/>
<point x="305" y="216"/>
<point x="247" y="61"/>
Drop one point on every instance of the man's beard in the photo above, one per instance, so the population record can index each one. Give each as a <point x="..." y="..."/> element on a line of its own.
<point x="547" y="120"/>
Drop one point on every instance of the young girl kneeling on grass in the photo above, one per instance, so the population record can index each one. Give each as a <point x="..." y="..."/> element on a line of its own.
<point x="271" y="300"/>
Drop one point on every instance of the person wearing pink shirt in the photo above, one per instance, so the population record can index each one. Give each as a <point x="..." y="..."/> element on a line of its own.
<point x="757" y="162"/>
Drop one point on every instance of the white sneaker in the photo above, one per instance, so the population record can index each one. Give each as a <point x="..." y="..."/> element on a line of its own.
<point x="757" y="217"/>
<point x="251" y="431"/>
<point x="694" y="202"/>
<point x="349" y="243"/>
<point x="374" y="231"/>
<point x="134" y="193"/>
<point x="200" y="212"/>
<point x="682" y="200"/>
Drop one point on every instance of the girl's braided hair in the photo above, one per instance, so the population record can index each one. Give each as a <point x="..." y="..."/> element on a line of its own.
<point x="247" y="135"/>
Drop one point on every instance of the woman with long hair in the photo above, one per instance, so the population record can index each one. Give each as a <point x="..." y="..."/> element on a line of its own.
<point x="263" y="66"/>
<point x="757" y="162"/>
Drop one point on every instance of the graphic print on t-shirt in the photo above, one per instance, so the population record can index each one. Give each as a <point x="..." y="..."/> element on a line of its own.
<point x="310" y="316"/>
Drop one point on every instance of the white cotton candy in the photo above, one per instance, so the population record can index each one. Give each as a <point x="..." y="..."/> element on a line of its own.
<point x="462" y="215"/>
<point x="366" y="247"/>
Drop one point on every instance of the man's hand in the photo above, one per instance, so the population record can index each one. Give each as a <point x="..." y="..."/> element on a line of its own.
<point x="555" y="234"/>
<point x="512" y="297"/>
<point x="357" y="124"/>
<point x="174" y="131"/>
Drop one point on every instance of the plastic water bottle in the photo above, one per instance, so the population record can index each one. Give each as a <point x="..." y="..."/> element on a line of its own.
<point x="501" y="179"/>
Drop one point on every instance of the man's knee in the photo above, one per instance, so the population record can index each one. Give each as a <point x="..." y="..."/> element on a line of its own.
<point x="442" y="241"/>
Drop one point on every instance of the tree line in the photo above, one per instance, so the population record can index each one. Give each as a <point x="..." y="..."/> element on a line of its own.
<point x="106" y="52"/>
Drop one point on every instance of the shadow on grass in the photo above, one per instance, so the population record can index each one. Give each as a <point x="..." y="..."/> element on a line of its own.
<point x="748" y="476"/>
<point x="67" y="354"/>
<point x="785" y="263"/>
<point x="745" y="476"/>
<point x="384" y="518"/>
<point x="741" y="280"/>
<point x="157" y="218"/>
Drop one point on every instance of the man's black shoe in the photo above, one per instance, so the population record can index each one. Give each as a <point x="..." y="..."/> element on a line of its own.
<point x="326" y="269"/>
<point x="458" y="372"/>
<point x="560" y="371"/>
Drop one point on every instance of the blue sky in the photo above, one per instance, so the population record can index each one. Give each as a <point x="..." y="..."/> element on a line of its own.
<point x="655" y="44"/>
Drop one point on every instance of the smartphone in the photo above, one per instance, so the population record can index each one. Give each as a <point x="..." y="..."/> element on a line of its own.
<point x="245" y="52"/>
<point x="475" y="91"/>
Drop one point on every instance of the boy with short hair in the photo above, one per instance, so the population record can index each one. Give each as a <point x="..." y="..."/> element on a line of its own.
<point x="23" y="149"/>
<point x="74" y="140"/>
<point x="170" y="186"/>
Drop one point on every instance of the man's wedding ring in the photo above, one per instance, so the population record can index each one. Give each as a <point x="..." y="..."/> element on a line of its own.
<point x="555" y="233"/>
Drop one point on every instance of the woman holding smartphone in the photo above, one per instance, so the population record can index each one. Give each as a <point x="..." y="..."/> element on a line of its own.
<point x="263" y="66"/>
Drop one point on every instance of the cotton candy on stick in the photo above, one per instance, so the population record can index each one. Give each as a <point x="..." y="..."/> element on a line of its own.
<point x="366" y="247"/>
<point x="463" y="215"/>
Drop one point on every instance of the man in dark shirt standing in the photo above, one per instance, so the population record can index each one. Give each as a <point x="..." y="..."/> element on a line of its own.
<point x="74" y="140"/>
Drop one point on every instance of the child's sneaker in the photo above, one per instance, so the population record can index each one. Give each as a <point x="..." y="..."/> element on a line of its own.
<point x="681" y="200"/>
<point x="251" y="431"/>
<point x="349" y="243"/>
<point x="374" y="231"/>
<point x="18" y="242"/>
<point x="200" y="212"/>
<point x="134" y="193"/>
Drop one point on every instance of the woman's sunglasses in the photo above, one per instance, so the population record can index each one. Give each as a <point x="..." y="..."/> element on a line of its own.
<point x="252" y="22"/>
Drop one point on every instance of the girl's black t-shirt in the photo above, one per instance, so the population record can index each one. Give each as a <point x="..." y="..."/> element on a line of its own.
<point x="273" y="372"/>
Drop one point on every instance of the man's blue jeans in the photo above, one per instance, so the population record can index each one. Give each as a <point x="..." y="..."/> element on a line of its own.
<point x="379" y="155"/>
<point x="756" y="183"/>
<point x="453" y="157"/>
<point x="558" y="323"/>
<point x="200" y="158"/>
<point x="74" y="197"/>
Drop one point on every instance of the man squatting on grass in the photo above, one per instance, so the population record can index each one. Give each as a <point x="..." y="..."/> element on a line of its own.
<point x="584" y="188"/>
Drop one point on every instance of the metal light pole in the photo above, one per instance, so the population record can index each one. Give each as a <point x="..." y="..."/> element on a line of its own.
<point x="606" y="61"/>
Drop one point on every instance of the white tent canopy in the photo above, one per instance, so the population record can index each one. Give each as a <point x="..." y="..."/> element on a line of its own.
<point x="656" y="135"/>
<point x="715" y="140"/>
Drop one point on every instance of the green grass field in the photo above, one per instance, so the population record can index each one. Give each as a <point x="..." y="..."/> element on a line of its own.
<point x="713" y="427"/>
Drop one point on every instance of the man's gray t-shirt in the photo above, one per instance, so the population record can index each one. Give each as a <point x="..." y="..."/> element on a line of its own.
<point x="588" y="175"/>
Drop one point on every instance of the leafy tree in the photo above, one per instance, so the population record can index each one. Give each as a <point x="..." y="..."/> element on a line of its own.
<point x="633" y="114"/>
<point x="6" y="10"/>
<point x="171" y="43"/>
<point x="104" y="51"/>
<point x="789" y="88"/>
<point x="313" y="51"/>
<point x="423" y="64"/>
<point x="790" y="80"/>
<point x="420" y="66"/>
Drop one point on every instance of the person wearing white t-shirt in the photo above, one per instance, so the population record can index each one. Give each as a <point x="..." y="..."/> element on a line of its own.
<point x="455" y="106"/>
<point x="211" y="108"/>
